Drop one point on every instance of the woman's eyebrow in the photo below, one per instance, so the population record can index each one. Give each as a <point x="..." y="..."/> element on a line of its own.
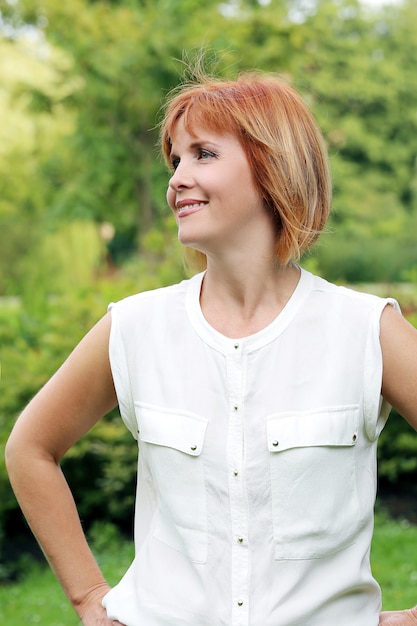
<point x="203" y="143"/>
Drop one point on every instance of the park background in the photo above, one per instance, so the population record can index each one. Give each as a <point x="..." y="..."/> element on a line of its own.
<point x="84" y="220"/>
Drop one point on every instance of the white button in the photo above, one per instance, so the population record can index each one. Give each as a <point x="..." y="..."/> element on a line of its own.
<point x="236" y="346"/>
<point x="235" y="473"/>
<point x="275" y="443"/>
<point x="239" y="602"/>
<point x="235" y="407"/>
<point x="240" y="539"/>
<point x="194" y="447"/>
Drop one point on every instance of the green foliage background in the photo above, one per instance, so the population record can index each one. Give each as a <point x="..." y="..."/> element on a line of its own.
<point x="83" y="216"/>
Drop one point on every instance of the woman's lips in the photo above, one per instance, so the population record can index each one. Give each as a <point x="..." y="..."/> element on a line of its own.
<point x="188" y="206"/>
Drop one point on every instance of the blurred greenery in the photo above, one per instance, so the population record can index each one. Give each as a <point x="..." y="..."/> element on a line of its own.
<point x="36" y="598"/>
<point x="83" y="216"/>
<point x="81" y="85"/>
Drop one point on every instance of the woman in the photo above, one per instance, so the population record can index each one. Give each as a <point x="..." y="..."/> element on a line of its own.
<point x="256" y="392"/>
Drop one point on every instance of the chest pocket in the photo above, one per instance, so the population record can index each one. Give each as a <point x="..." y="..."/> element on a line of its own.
<point x="314" y="498"/>
<point x="171" y="444"/>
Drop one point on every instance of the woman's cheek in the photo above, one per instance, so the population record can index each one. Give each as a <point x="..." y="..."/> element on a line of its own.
<point x="171" y="198"/>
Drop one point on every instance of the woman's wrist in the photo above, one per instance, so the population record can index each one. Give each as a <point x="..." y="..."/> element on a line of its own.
<point x="91" y="600"/>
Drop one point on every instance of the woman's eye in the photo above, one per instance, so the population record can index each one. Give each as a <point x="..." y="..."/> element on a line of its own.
<point x="174" y="163"/>
<point x="206" y="154"/>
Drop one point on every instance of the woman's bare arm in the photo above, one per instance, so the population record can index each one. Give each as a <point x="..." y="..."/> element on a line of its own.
<point x="74" y="399"/>
<point x="399" y="387"/>
<point x="399" y="353"/>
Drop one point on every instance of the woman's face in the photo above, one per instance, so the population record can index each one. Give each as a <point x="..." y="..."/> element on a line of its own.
<point x="212" y="193"/>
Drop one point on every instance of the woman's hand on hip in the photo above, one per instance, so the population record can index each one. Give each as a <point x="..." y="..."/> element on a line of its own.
<point x="399" y="618"/>
<point x="91" y="610"/>
<point x="97" y="616"/>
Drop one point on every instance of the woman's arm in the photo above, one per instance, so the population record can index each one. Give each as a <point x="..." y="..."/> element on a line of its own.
<point x="74" y="399"/>
<point x="399" y="354"/>
<point x="399" y="388"/>
<point x="398" y="618"/>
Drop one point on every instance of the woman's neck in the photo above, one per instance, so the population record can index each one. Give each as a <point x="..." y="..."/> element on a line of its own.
<point x="240" y="299"/>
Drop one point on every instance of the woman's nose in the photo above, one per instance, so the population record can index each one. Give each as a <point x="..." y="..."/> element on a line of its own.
<point x="181" y="177"/>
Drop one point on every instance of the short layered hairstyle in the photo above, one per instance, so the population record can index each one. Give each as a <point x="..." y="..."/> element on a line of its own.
<point x="282" y="142"/>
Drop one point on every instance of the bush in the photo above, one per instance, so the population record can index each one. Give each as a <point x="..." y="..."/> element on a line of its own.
<point x="35" y="337"/>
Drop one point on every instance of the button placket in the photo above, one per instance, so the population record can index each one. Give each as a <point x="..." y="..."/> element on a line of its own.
<point x="237" y="489"/>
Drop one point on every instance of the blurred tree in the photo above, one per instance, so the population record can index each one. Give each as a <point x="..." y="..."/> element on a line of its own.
<point x="355" y="66"/>
<point x="123" y="64"/>
<point x="361" y="74"/>
<point x="28" y="135"/>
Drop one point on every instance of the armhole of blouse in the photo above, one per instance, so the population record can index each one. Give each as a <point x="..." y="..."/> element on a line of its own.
<point x="120" y="371"/>
<point x="376" y="408"/>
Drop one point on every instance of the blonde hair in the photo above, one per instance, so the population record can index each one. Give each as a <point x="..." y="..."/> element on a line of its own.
<point x="282" y="142"/>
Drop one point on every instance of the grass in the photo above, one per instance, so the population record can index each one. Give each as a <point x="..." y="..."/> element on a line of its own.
<point x="38" y="599"/>
<point x="394" y="562"/>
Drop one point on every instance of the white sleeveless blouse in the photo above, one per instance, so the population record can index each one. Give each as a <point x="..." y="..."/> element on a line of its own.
<point x="257" y="460"/>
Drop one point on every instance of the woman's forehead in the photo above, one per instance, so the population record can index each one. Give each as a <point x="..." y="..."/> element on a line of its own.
<point x="199" y="133"/>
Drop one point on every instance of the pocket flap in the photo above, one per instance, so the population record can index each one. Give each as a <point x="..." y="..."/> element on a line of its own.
<point x="332" y="426"/>
<point x="163" y="427"/>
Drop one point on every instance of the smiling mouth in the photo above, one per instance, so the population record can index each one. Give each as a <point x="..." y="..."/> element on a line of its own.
<point x="191" y="207"/>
